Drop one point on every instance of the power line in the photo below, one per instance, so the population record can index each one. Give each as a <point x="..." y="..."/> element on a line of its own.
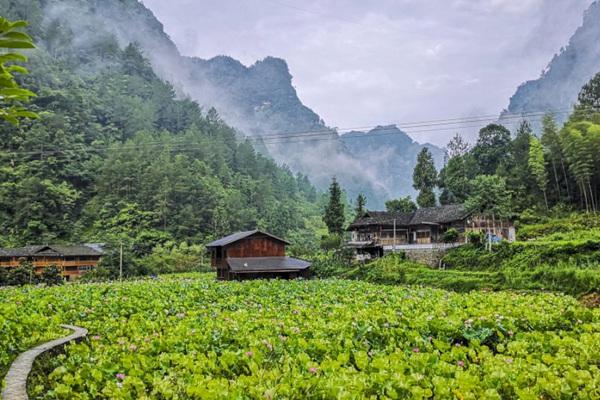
<point x="309" y="136"/>
<point x="272" y="139"/>
<point x="333" y="132"/>
<point x="405" y="128"/>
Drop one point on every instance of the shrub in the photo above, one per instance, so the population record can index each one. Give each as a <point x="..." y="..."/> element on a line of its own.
<point x="173" y="258"/>
<point x="450" y="236"/>
<point x="329" y="264"/>
<point x="22" y="275"/>
<point x="4" y="276"/>
<point x="98" y="274"/>
<point x="475" y="238"/>
<point x="51" y="276"/>
<point x="331" y="242"/>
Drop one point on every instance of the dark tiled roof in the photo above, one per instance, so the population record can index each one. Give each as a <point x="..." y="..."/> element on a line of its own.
<point x="382" y="218"/>
<point x="439" y="215"/>
<point x="267" y="264"/>
<point x="432" y="215"/>
<point x="241" y="235"/>
<point x="51" y="250"/>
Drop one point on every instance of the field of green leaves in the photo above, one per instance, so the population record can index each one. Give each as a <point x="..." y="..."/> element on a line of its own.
<point x="192" y="337"/>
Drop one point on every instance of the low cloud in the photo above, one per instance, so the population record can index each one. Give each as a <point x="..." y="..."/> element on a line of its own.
<point x="380" y="62"/>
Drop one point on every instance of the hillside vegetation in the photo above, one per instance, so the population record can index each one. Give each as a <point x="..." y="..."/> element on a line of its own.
<point x="560" y="255"/>
<point x="117" y="157"/>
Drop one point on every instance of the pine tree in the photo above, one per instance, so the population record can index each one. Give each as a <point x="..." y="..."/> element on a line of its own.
<point x="361" y="202"/>
<point x="424" y="179"/>
<point x="537" y="166"/>
<point x="589" y="97"/>
<point x="334" y="211"/>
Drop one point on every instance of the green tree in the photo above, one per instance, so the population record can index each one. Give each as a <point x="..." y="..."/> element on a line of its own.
<point x="551" y="141"/>
<point x="589" y="96"/>
<point x="51" y="276"/>
<point x="24" y="274"/>
<point x="334" y="211"/>
<point x="580" y="142"/>
<point x="515" y="168"/>
<point x="489" y="196"/>
<point x="12" y="96"/>
<point x="424" y="178"/>
<point x="492" y="148"/>
<point x="537" y="166"/>
<point x="361" y="203"/>
<point x="454" y="179"/>
<point x="403" y="204"/>
<point x="457" y="147"/>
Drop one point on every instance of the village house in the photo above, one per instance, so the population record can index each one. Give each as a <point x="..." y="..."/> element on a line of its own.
<point x="254" y="254"/>
<point x="378" y="232"/>
<point x="73" y="260"/>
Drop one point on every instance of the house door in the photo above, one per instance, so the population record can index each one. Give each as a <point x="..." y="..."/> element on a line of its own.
<point x="424" y="237"/>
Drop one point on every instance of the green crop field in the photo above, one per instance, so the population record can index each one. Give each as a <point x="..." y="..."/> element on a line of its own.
<point x="189" y="337"/>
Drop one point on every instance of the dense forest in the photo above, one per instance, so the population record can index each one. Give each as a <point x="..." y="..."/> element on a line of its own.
<point x="116" y="157"/>
<point x="507" y="174"/>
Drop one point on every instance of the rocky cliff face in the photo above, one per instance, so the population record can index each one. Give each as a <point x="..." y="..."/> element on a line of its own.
<point x="558" y="86"/>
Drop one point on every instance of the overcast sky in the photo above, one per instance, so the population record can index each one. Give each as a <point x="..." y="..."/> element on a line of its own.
<point x="365" y="62"/>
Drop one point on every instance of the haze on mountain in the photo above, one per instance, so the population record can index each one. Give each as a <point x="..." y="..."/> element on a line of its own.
<point x="560" y="82"/>
<point x="370" y="63"/>
<point x="261" y="101"/>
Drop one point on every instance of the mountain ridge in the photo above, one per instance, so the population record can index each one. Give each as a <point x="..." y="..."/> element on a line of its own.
<point x="257" y="100"/>
<point x="560" y="82"/>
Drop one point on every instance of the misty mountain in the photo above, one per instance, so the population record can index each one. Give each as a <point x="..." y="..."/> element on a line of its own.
<point x="259" y="100"/>
<point x="558" y="86"/>
<point x="389" y="149"/>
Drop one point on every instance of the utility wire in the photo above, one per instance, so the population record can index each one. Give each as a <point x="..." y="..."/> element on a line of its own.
<point x="273" y="139"/>
<point x="59" y="154"/>
<point x="333" y="133"/>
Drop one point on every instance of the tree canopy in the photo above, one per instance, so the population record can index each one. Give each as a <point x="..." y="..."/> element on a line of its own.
<point x="334" y="211"/>
<point x="424" y="178"/>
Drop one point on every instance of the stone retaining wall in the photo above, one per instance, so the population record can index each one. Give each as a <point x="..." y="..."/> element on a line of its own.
<point x="431" y="257"/>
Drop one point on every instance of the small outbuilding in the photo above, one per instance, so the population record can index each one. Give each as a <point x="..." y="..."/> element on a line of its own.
<point x="255" y="255"/>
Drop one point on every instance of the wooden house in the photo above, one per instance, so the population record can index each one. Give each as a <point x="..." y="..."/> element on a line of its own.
<point x="72" y="260"/>
<point x="254" y="254"/>
<point x="379" y="231"/>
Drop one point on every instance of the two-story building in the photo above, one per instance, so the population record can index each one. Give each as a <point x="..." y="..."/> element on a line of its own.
<point x="377" y="232"/>
<point x="255" y="254"/>
<point x="72" y="260"/>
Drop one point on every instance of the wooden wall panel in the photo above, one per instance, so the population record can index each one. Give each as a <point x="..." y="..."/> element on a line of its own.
<point x="256" y="247"/>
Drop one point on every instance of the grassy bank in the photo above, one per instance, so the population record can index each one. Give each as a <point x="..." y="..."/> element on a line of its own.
<point x="561" y="255"/>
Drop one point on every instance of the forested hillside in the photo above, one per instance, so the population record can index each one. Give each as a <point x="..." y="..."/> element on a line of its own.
<point x="116" y="156"/>
<point x="258" y="100"/>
